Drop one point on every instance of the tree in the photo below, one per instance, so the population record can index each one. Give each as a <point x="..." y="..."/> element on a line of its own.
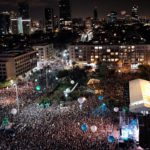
<point x="102" y="70"/>
<point x="63" y="73"/>
<point x="78" y="75"/>
<point x="145" y="71"/>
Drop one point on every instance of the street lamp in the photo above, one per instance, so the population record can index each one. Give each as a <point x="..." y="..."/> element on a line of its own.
<point x="17" y="98"/>
<point x="47" y="78"/>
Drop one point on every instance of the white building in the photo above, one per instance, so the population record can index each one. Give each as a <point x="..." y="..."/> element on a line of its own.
<point x="44" y="52"/>
<point x="139" y="96"/>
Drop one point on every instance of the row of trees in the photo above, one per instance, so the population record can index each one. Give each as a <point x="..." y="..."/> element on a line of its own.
<point x="144" y="71"/>
<point x="77" y="74"/>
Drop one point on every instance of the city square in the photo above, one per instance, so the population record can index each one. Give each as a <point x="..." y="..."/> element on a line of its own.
<point x="74" y="78"/>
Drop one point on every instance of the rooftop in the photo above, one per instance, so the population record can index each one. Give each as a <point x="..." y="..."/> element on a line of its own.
<point x="14" y="53"/>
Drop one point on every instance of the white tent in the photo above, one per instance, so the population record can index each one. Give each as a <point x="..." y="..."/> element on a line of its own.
<point x="139" y="95"/>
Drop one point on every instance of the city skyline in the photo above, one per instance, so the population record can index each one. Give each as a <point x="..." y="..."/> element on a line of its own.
<point x="79" y="9"/>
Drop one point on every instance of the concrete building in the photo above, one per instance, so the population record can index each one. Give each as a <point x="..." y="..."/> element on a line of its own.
<point x="44" y="52"/>
<point x="112" y="17"/>
<point x="20" y="23"/>
<point x="124" y="57"/>
<point x="65" y="21"/>
<point x="23" y="9"/>
<point x="16" y="62"/>
<point x="49" y="20"/>
<point x="4" y="23"/>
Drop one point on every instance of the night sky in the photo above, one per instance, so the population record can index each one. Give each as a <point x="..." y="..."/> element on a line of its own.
<point x="80" y="8"/>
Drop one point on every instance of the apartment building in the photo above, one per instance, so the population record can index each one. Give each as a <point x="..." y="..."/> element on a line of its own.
<point x="118" y="55"/>
<point x="16" y="62"/>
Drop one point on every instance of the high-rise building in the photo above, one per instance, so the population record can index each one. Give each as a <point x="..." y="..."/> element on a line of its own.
<point x="14" y="26"/>
<point x="134" y="11"/>
<point x="4" y="23"/>
<point x="20" y="26"/>
<point x="65" y="14"/>
<point x="112" y="17"/>
<point x="77" y="24"/>
<point x="23" y="21"/>
<point x="13" y="22"/>
<point x="23" y="10"/>
<point x="36" y="25"/>
<point x="49" y="19"/>
<point x="56" y="23"/>
<point x="95" y="14"/>
<point x="88" y="23"/>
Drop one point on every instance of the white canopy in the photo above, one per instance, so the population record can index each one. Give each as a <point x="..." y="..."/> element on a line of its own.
<point x="139" y="95"/>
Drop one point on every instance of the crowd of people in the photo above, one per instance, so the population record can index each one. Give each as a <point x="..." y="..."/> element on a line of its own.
<point x="57" y="127"/>
<point x="26" y="95"/>
<point x="60" y="128"/>
<point x="57" y="64"/>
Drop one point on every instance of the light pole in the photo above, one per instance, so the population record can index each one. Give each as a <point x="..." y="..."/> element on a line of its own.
<point x="17" y="98"/>
<point x="46" y="79"/>
<point x="47" y="85"/>
<point x="27" y="80"/>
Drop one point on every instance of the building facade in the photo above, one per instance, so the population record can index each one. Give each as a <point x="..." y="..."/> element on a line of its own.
<point x="4" y="23"/>
<point x="44" y="52"/>
<point x="64" y="15"/>
<point x="49" y="19"/>
<point x="23" y="10"/>
<point x="14" y="63"/>
<point x="121" y="56"/>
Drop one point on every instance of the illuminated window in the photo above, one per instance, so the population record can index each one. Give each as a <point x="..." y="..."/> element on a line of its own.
<point x="122" y="46"/>
<point x="108" y="50"/>
<point x="96" y="47"/>
<point x="112" y="60"/>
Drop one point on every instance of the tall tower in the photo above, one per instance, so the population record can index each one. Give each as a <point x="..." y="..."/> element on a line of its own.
<point x="49" y="19"/>
<point x="64" y="14"/>
<point x="134" y="11"/>
<point x="23" y="21"/>
<point x="4" y="23"/>
<point x="95" y="14"/>
<point x="23" y="9"/>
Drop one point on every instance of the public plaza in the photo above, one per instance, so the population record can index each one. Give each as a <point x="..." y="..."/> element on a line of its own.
<point x="74" y="75"/>
<point x="91" y="121"/>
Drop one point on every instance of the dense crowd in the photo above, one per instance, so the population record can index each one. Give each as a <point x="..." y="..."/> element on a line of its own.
<point x="59" y="128"/>
<point x="56" y="65"/>
<point x="26" y="95"/>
